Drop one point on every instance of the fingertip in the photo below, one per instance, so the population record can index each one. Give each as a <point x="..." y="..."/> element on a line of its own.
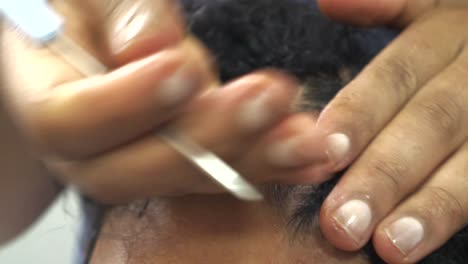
<point x="338" y="150"/>
<point x="335" y="233"/>
<point x="296" y="144"/>
<point x="138" y="29"/>
<point x="385" y="248"/>
<point x="403" y="239"/>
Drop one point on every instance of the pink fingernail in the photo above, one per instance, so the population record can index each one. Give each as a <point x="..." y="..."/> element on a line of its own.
<point x="177" y="88"/>
<point x="355" y="217"/>
<point x="256" y="113"/>
<point x="406" y="234"/>
<point x="283" y="153"/>
<point x="295" y="151"/>
<point x="339" y="146"/>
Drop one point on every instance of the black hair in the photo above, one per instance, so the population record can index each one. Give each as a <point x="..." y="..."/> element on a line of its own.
<point x="292" y="35"/>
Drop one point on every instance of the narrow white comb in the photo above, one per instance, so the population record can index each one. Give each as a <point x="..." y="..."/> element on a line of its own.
<point x="43" y="26"/>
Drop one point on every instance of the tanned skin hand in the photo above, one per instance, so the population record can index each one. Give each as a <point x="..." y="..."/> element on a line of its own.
<point x="402" y="124"/>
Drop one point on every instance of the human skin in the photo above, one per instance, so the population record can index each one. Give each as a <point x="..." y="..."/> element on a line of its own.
<point x="209" y="229"/>
<point x="410" y="162"/>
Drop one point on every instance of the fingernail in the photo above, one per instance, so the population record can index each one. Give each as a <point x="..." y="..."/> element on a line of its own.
<point x="406" y="234"/>
<point x="355" y="218"/>
<point x="283" y="153"/>
<point x="256" y="113"/>
<point x="338" y="147"/>
<point x="132" y="21"/>
<point x="177" y="88"/>
<point x="295" y="151"/>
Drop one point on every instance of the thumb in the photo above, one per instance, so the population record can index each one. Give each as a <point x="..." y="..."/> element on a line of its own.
<point x="127" y="30"/>
<point x="135" y="29"/>
<point x="378" y="12"/>
<point x="119" y="31"/>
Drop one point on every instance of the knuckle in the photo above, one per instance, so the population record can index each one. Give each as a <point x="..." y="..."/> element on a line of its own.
<point x="441" y="113"/>
<point x="397" y="76"/>
<point x="353" y="114"/>
<point x="441" y="202"/>
<point x="389" y="172"/>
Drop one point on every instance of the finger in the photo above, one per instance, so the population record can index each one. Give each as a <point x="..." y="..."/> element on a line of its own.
<point x="80" y="119"/>
<point x="44" y="69"/>
<point x="431" y="127"/>
<point x="225" y="121"/>
<point x="287" y="152"/>
<point x="124" y="30"/>
<point x="135" y="29"/>
<point x="387" y="84"/>
<point x="427" y="219"/>
<point x="371" y="12"/>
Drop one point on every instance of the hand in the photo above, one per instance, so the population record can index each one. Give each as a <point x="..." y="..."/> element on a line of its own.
<point x="402" y="122"/>
<point x="100" y="133"/>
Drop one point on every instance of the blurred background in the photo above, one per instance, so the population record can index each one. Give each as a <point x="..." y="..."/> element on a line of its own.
<point x="52" y="240"/>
